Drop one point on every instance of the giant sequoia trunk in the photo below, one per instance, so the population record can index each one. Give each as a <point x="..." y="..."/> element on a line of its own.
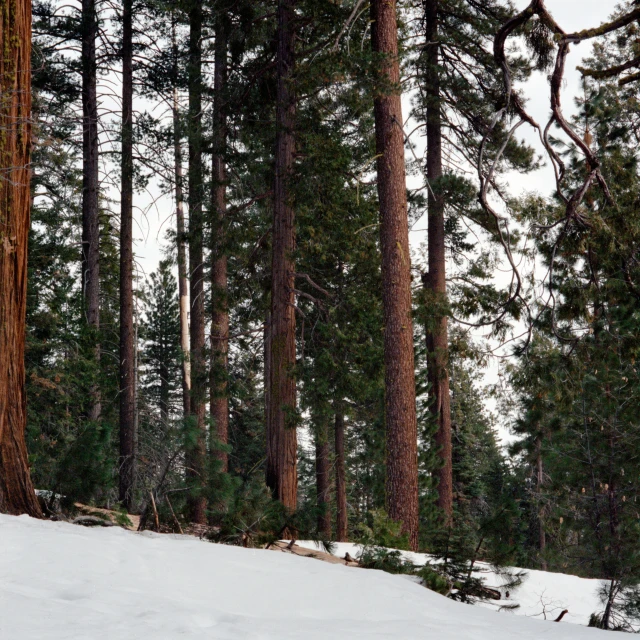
<point x="437" y="334"/>
<point x="16" y="491"/>
<point x="127" y="336"/>
<point x="342" y="522"/>
<point x="220" y="314"/>
<point x="323" y="478"/>
<point x="90" y="185"/>
<point x="282" y="477"/>
<point x="400" y="395"/>
<point x="183" y="282"/>
<point x="196" y="437"/>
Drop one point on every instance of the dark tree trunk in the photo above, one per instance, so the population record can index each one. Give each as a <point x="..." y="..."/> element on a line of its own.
<point x="183" y="282"/>
<point x="400" y="395"/>
<point x="220" y="313"/>
<point x="16" y="491"/>
<point x="127" y="335"/>
<point x="437" y="336"/>
<point x="282" y="442"/>
<point x="267" y="371"/>
<point x="323" y="479"/>
<point x="342" y="522"/>
<point x="196" y="445"/>
<point x="542" y="536"/>
<point x="90" y="185"/>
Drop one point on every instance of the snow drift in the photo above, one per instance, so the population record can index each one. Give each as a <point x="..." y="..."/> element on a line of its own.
<point x="64" y="582"/>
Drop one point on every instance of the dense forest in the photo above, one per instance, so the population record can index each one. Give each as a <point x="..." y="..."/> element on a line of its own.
<point x="296" y="366"/>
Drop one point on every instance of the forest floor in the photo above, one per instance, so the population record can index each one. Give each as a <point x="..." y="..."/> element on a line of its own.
<point x="65" y="582"/>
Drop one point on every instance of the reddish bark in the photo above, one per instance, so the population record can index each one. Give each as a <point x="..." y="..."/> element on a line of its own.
<point x="437" y="336"/>
<point x="400" y="397"/>
<point x="16" y="490"/>
<point x="282" y="442"/>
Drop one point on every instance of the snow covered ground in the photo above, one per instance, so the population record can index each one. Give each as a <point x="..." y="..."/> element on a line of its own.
<point x="64" y="582"/>
<point x="542" y="595"/>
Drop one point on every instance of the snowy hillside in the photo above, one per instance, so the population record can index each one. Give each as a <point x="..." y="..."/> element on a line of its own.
<point x="542" y="595"/>
<point x="64" y="582"/>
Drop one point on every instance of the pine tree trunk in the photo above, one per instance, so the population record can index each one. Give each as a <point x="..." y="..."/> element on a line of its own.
<point x="183" y="282"/>
<point x="90" y="185"/>
<point x="400" y="396"/>
<point x="196" y="449"/>
<point x="220" y="313"/>
<point x="127" y="347"/>
<point x="437" y="337"/>
<point x="282" y="477"/>
<point x="342" y="522"/>
<point x="16" y="490"/>
<point x="323" y="479"/>
<point x="542" y="536"/>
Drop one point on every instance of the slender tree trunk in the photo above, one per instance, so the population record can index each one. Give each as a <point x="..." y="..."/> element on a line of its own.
<point x="542" y="536"/>
<point x="267" y="371"/>
<point x="16" y="491"/>
<point x="437" y="337"/>
<point x="282" y="477"/>
<point x="323" y="479"/>
<point x="183" y="282"/>
<point x="127" y="347"/>
<point x="400" y="395"/>
<point x="90" y="185"/>
<point x="196" y="445"/>
<point x="342" y="522"/>
<point x="220" y="313"/>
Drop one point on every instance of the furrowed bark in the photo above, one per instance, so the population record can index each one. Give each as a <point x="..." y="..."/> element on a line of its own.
<point x="400" y="397"/>
<point x="281" y="476"/>
<point x="16" y="490"/>
<point x="90" y="186"/>
<point x="323" y="479"/>
<point x="342" y="522"/>
<point x="196" y="440"/>
<point x="183" y="282"/>
<point x="437" y="337"/>
<point x="127" y="337"/>
<point x="220" y="314"/>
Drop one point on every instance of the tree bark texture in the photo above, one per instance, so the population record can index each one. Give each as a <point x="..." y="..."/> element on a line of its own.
<point x="16" y="490"/>
<point x="90" y="185"/>
<point x="542" y="536"/>
<point x="183" y="282"/>
<point x="342" y="522"/>
<point x="400" y="395"/>
<point x="219" y="309"/>
<point x="282" y="442"/>
<point x="196" y="444"/>
<point x="437" y="336"/>
<point x="127" y="335"/>
<point x="323" y="478"/>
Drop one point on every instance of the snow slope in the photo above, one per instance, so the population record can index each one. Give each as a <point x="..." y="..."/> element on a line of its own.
<point x="542" y="595"/>
<point x="64" y="582"/>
